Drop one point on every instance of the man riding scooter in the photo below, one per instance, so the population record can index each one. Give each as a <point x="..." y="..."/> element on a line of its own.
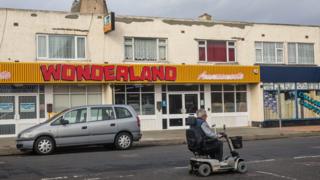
<point x="213" y="146"/>
<point x="203" y="142"/>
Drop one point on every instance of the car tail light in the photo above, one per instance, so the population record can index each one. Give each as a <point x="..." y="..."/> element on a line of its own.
<point x="138" y="121"/>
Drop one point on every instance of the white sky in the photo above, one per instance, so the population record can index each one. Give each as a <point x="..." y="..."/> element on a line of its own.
<point x="276" y="11"/>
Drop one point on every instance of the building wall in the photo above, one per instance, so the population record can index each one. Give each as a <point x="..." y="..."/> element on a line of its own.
<point x="183" y="47"/>
<point x="18" y="30"/>
<point x="19" y="42"/>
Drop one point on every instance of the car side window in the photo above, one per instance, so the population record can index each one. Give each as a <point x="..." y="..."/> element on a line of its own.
<point x="101" y="114"/>
<point x="76" y="116"/>
<point x="122" y="113"/>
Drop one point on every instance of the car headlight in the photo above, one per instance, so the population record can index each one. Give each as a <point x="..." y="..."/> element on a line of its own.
<point x="26" y="135"/>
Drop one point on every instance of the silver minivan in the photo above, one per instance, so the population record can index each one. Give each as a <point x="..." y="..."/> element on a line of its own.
<point x="85" y="125"/>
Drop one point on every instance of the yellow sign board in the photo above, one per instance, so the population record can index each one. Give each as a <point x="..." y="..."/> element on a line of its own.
<point x="44" y="73"/>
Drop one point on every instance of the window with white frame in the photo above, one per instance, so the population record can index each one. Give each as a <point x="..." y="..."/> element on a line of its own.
<point x="141" y="98"/>
<point x="300" y="53"/>
<point x="145" y="49"/>
<point x="65" y="47"/>
<point x="216" y="51"/>
<point x="228" y="98"/>
<point x="269" y="52"/>
<point x="65" y="96"/>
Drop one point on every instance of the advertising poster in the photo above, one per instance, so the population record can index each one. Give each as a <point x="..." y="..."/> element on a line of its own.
<point x="27" y="107"/>
<point x="6" y="108"/>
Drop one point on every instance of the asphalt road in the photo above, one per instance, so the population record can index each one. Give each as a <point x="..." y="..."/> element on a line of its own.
<point x="288" y="159"/>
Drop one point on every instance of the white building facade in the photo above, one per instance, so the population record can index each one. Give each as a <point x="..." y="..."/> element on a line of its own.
<point x="165" y="68"/>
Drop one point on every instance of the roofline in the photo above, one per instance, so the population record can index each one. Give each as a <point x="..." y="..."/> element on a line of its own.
<point x="166" y="18"/>
<point x="215" y="21"/>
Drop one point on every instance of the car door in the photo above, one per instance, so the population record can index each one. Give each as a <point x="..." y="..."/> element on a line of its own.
<point x="102" y="125"/>
<point x="76" y="131"/>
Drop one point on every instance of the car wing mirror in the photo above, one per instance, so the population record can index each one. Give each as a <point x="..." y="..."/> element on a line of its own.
<point x="64" y="122"/>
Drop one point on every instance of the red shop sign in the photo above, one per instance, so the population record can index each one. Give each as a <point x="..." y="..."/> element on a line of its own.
<point x="68" y="72"/>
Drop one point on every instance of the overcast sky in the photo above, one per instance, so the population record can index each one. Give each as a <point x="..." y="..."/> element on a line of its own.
<point x="276" y="11"/>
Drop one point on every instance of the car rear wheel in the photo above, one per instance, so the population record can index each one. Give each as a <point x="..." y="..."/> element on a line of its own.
<point x="123" y="141"/>
<point x="44" y="145"/>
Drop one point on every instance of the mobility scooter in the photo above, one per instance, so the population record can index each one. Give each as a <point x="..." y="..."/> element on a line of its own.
<point x="202" y="164"/>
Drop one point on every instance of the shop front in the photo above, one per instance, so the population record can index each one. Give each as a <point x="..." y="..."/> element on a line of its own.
<point x="163" y="95"/>
<point x="292" y="95"/>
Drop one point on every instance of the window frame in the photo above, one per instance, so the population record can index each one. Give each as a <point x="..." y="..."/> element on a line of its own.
<point x="140" y="93"/>
<point x="75" y="37"/>
<point x="69" y="93"/>
<point x="205" y="45"/>
<point x="234" y="92"/>
<point x="297" y="53"/>
<point x="276" y="52"/>
<point x="133" y="59"/>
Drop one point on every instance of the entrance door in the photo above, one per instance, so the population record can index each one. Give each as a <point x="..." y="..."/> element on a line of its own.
<point x="181" y="105"/>
<point x="17" y="112"/>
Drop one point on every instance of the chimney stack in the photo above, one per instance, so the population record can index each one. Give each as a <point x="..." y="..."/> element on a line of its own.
<point x="89" y="7"/>
<point x="205" y="17"/>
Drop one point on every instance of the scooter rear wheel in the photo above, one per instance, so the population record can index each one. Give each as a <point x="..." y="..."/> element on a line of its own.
<point x="204" y="170"/>
<point x="242" y="167"/>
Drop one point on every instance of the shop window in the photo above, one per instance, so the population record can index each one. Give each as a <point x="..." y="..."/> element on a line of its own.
<point x="228" y="98"/>
<point x="269" y="52"/>
<point x="140" y="97"/>
<point x="145" y="49"/>
<point x="301" y="53"/>
<point x="216" y="51"/>
<point x="305" y="111"/>
<point x="65" y="96"/>
<point x="57" y="47"/>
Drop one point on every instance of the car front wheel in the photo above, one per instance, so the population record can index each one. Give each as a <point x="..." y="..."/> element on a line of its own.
<point x="44" y="145"/>
<point x="123" y="141"/>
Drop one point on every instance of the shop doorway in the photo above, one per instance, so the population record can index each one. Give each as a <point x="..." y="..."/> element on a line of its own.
<point x="180" y="106"/>
<point x="18" y="112"/>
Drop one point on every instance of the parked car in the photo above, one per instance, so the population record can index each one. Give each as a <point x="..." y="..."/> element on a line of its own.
<point x="85" y="125"/>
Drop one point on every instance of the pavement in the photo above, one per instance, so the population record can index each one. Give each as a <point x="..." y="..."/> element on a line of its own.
<point x="176" y="137"/>
<point x="294" y="158"/>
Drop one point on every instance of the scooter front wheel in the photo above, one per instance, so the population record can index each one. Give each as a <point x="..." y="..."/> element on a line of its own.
<point x="204" y="170"/>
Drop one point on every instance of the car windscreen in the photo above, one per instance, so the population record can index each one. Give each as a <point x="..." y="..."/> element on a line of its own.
<point x="56" y="115"/>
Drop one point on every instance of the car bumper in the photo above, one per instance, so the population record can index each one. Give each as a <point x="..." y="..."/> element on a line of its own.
<point x="136" y="136"/>
<point x="25" y="145"/>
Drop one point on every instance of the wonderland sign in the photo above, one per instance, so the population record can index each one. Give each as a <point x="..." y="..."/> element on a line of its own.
<point x="59" y="73"/>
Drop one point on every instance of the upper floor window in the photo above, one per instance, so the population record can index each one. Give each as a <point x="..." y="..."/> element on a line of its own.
<point x="61" y="47"/>
<point x="300" y="53"/>
<point x="216" y="51"/>
<point x="269" y="52"/>
<point x="145" y="49"/>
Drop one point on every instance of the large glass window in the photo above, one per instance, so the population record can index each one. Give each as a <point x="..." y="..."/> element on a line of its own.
<point x="145" y="49"/>
<point x="269" y="52"/>
<point x="65" y="96"/>
<point x="216" y="51"/>
<point x="58" y="47"/>
<point x="141" y="98"/>
<point x="301" y="53"/>
<point x="295" y="101"/>
<point x="228" y="98"/>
